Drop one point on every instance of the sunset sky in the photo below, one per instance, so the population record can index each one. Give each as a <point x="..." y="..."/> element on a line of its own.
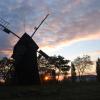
<point x="72" y="28"/>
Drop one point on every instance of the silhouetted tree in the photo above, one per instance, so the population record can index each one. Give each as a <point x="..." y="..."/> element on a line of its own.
<point x="3" y="66"/>
<point x="73" y="72"/>
<point x="61" y="63"/>
<point x="98" y="69"/>
<point x="6" y="69"/>
<point x="82" y="64"/>
<point x="58" y="62"/>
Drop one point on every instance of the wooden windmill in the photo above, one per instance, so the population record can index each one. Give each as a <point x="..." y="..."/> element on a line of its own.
<point x="25" y="56"/>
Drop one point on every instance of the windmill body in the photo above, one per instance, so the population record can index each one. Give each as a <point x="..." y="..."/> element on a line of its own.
<point x="25" y="56"/>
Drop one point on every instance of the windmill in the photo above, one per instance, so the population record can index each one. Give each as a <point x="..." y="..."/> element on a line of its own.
<point x="25" y="56"/>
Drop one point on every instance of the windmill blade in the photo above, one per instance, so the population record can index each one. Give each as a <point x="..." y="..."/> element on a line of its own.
<point x="3" y="27"/>
<point x="36" y="28"/>
<point x="43" y="54"/>
<point x="3" y="22"/>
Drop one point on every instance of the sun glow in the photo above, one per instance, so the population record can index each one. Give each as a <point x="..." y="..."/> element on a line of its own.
<point x="60" y="77"/>
<point x="46" y="78"/>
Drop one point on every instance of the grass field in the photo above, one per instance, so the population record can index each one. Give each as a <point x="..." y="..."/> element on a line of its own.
<point x="57" y="91"/>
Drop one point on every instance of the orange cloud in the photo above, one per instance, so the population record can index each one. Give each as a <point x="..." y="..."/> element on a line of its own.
<point x="98" y="52"/>
<point x="77" y="1"/>
<point x="8" y="52"/>
<point x="66" y="42"/>
<point x="94" y="53"/>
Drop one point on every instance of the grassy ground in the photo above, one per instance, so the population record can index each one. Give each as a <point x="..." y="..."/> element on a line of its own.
<point x="58" y="91"/>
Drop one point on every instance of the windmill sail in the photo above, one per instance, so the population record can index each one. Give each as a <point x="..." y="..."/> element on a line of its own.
<point x="3" y="27"/>
<point x="43" y="54"/>
<point x="36" y="28"/>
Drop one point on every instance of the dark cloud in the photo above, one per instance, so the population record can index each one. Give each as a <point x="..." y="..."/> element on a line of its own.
<point x="68" y="20"/>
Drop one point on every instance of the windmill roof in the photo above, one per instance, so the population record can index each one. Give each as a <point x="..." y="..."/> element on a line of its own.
<point x="27" y="42"/>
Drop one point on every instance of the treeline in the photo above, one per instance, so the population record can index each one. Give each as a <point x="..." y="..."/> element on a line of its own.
<point x="78" y="67"/>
